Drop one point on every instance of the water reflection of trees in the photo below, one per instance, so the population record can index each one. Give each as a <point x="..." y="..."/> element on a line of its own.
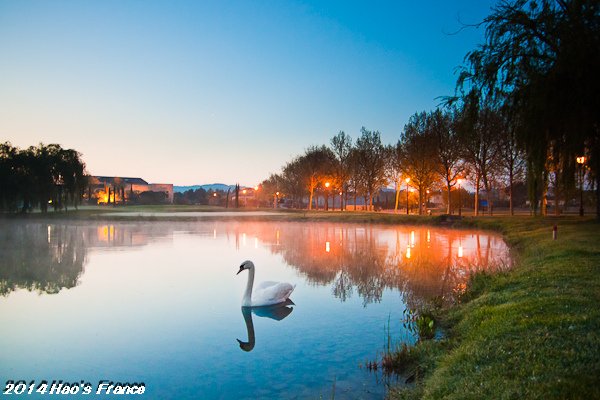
<point x="49" y="257"/>
<point x="424" y="264"/>
<point x="40" y="257"/>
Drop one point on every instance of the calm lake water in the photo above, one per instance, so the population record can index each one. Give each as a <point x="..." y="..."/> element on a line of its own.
<point x="159" y="303"/>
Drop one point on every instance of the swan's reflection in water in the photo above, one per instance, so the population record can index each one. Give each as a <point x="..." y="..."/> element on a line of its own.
<point x="276" y="312"/>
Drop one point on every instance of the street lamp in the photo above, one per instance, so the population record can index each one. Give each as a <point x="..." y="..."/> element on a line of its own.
<point x="407" y="180"/>
<point x="276" y="199"/>
<point x="459" y="181"/>
<point x="581" y="162"/>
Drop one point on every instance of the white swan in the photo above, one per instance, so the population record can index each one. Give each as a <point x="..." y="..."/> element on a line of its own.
<point x="266" y="293"/>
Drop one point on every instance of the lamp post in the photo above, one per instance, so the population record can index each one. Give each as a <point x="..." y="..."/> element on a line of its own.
<point x="407" y="180"/>
<point x="256" y="196"/>
<point x="581" y="162"/>
<point x="276" y="199"/>
<point x="459" y="181"/>
<point x="327" y="184"/>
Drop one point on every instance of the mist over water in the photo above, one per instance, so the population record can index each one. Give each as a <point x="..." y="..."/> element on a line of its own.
<point x="159" y="302"/>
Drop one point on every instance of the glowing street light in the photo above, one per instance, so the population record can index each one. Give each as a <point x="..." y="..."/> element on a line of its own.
<point x="407" y="180"/>
<point x="581" y="162"/>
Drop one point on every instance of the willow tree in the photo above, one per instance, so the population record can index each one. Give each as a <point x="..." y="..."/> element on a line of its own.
<point x="543" y="56"/>
<point x="40" y="175"/>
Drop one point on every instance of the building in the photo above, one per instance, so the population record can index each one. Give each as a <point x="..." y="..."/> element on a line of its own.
<point x="118" y="190"/>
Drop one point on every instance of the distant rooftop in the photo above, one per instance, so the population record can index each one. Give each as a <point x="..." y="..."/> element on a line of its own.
<point x="111" y="179"/>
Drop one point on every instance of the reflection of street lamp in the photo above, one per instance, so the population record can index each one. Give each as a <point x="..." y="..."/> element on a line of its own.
<point x="581" y="162"/>
<point x="407" y="180"/>
<point x="459" y="181"/>
<point x="327" y="184"/>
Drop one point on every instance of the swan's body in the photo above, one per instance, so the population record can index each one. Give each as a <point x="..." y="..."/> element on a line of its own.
<point x="266" y="293"/>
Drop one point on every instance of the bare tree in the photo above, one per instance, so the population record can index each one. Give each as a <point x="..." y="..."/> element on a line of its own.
<point x="394" y="171"/>
<point x="450" y="163"/>
<point x="511" y="158"/>
<point x="341" y="145"/>
<point x="419" y="154"/>
<point x="370" y="155"/>
<point x="316" y="163"/>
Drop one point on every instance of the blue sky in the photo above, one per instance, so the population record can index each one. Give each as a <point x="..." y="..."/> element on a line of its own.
<point x="189" y="92"/>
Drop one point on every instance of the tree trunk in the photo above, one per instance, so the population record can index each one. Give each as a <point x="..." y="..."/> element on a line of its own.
<point x="310" y="199"/>
<point x="545" y="203"/>
<point x="448" y="187"/>
<point x="556" y="193"/>
<point x="397" y="197"/>
<point x="488" y="197"/>
<point x="477" y="195"/>
<point x="598" y="197"/>
<point x="510" y="192"/>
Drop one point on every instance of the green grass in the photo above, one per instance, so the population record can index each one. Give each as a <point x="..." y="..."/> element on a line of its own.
<point x="531" y="332"/>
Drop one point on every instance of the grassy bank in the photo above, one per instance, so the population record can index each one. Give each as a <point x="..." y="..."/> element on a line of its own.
<point x="532" y="332"/>
<point x="190" y="213"/>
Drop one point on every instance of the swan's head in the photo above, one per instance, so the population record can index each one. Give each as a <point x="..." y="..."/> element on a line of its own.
<point x="246" y="265"/>
<point x="246" y="346"/>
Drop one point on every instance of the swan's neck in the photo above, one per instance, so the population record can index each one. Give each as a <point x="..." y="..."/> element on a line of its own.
<point x="249" y="345"/>
<point x="247" y="299"/>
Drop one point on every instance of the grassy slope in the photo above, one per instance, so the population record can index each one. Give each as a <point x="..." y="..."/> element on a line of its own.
<point x="532" y="332"/>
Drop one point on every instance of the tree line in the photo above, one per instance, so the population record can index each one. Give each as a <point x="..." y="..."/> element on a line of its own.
<point x="526" y="109"/>
<point x="40" y="176"/>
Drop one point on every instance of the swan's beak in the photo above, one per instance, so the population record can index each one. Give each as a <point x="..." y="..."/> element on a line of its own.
<point x="241" y="269"/>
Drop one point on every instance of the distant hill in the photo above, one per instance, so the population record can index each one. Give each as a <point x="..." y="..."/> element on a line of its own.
<point x="212" y="186"/>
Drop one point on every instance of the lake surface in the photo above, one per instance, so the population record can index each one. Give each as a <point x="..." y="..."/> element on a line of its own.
<point x="159" y="303"/>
